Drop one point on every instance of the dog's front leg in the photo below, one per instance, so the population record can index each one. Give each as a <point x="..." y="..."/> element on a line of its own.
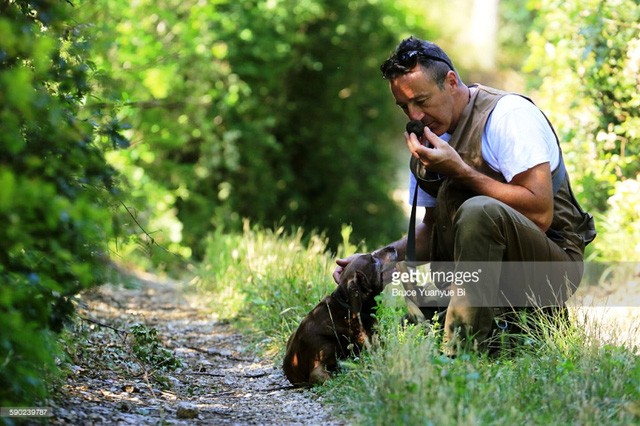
<point x="363" y="338"/>
<point x="319" y="374"/>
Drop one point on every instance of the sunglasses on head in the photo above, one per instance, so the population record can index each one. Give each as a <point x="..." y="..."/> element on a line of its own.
<point x="410" y="58"/>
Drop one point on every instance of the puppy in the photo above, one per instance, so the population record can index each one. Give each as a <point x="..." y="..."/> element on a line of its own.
<point x="341" y="323"/>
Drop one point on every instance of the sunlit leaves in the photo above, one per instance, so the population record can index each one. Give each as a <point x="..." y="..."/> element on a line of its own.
<point x="587" y="56"/>
<point x="55" y="189"/>
<point x="18" y="90"/>
<point x="246" y="105"/>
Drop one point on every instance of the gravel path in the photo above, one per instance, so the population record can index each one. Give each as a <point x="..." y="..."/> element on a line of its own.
<point x="220" y="382"/>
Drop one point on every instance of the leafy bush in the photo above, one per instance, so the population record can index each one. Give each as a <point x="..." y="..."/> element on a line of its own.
<point x="587" y="57"/>
<point x="55" y="184"/>
<point x="620" y="225"/>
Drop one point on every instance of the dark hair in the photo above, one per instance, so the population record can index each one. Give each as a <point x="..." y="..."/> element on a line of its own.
<point x="412" y="51"/>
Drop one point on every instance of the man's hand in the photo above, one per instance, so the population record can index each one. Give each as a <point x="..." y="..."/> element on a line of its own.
<point x="342" y="263"/>
<point x="439" y="158"/>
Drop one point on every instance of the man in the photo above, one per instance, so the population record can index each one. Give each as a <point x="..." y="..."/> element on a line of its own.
<point x="493" y="184"/>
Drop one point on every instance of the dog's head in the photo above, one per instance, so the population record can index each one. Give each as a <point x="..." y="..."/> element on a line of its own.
<point x="364" y="277"/>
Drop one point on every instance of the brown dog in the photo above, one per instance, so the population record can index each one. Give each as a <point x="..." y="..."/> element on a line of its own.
<point x="341" y="323"/>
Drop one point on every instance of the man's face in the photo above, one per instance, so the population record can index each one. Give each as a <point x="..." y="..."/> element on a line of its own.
<point x="421" y="99"/>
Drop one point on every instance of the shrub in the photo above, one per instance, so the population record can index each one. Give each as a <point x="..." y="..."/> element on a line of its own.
<point x="55" y="184"/>
<point x="586" y="55"/>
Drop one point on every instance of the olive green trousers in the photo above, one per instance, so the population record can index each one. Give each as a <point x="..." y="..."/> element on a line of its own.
<point x="493" y="235"/>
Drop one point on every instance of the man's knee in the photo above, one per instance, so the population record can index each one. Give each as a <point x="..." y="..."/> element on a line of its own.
<point x="481" y="207"/>
<point x="479" y="213"/>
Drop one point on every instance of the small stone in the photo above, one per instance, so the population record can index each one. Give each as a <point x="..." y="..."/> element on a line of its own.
<point x="185" y="411"/>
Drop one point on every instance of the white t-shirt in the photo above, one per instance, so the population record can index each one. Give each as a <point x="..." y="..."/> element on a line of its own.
<point x="516" y="138"/>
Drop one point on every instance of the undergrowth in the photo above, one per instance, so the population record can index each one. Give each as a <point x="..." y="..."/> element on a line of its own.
<point x="132" y="351"/>
<point x="558" y="376"/>
<point x="268" y="281"/>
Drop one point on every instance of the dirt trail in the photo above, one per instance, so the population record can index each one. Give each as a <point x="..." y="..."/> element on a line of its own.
<point x="220" y="382"/>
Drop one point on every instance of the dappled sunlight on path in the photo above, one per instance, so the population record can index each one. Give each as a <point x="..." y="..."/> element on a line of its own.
<point x="220" y="381"/>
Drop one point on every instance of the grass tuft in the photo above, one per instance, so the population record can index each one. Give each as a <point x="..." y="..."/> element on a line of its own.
<point x="268" y="280"/>
<point x="560" y="375"/>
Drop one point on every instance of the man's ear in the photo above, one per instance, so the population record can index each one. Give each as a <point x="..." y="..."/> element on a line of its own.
<point x="357" y="289"/>
<point x="451" y="80"/>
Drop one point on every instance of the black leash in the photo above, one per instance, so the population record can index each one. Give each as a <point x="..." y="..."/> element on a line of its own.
<point x="410" y="255"/>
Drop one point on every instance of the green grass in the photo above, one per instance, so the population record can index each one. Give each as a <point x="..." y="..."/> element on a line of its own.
<point x="559" y="377"/>
<point x="269" y="280"/>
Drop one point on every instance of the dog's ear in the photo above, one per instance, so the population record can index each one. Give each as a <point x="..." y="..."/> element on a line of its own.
<point x="357" y="289"/>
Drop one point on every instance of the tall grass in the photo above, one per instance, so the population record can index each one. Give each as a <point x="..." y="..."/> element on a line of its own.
<point x="559" y="376"/>
<point x="268" y="281"/>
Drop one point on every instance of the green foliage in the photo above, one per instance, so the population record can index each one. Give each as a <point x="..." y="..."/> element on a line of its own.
<point x="149" y="350"/>
<point x="620" y="226"/>
<point x="561" y="376"/>
<point x="515" y="23"/>
<point x="55" y="187"/>
<point x="134" y="353"/>
<point x="587" y="54"/>
<point x="267" y="110"/>
<point x="268" y="280"/>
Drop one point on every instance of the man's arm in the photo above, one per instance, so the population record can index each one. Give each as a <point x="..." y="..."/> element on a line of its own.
<point x="529" y="192"/>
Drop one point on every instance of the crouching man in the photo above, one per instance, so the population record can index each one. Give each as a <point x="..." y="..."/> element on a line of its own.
<point x="490" y="175"/>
